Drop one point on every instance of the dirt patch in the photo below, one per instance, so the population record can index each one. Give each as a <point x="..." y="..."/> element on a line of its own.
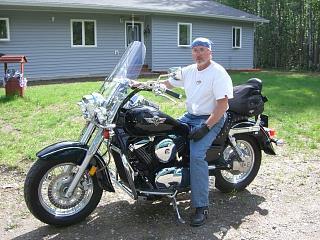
<point x="8" y="128"/>
<point x="282" y="203"/>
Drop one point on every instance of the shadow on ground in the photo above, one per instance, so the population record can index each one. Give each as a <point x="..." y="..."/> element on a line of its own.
<point x="157" y="220"/>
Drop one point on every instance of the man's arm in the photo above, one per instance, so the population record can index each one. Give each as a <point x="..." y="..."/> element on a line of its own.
<point x="221" y="108"/>
<point x="134" y="83"/>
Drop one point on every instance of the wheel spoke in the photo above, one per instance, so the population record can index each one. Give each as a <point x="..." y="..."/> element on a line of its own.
<point x="233" y="176"/>
<point x="54" y="185"/>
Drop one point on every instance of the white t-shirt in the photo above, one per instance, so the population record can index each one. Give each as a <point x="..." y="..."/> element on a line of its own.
<point x="204" y="88"/>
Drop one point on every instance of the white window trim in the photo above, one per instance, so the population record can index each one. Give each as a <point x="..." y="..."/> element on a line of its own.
<point x="125" y="31"/>
<point x="8" y="30"/>
<point x="83" y="32"/>
<point x="236" y="36"/>
<point x="178" y="35"/>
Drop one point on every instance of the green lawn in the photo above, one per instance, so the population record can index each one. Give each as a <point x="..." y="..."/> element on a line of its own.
<point x="49" y="113"/>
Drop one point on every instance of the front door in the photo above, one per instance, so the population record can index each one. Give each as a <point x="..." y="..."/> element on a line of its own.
<point x="134" y="32"/>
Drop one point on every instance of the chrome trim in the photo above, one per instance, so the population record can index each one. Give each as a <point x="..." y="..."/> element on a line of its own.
<point x="156" y="120"/>
<point x="116" y="149"/>
<point x="84" y="139"/>
<point x="90" y="153"/>
<point x="130" y="175"/>
<point x="138" y="145"/>
<point x="60" y="149"/>
<point x="175" y="207"/>
<point x="240" y="169"/>
<point x="120" y="184"/>
<point x="170" y="195"/>
<point x="173" y="171"/>
<point x="155" y="193"/>
<point x="254" y="128"/>
<point x="163" y="150"/>
<point x="51" y="195"/>
<point x="278" y="142"/>
<point x="236" y="147"/>
<point x="212" y="167"/>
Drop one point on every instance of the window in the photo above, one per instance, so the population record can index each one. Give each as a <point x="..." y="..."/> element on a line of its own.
<point x="236" y="37"/>
<point x="4" y="29"/>
<point x="184" y="34"/>
<point x="83" y="33"/>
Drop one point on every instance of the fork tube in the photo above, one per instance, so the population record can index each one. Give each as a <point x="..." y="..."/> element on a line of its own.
<point x="87" y="133"/>
<point x="84" y="138"/>
<point x="90" y="153"/>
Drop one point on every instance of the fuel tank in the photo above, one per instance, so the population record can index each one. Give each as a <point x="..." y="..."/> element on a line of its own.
<point x="148" y="121"/>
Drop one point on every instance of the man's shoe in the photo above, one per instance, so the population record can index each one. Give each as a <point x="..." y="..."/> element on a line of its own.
<point x="200" y="216"/>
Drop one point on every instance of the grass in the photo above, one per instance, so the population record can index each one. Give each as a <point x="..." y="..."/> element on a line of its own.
<point x="49" y="113"/>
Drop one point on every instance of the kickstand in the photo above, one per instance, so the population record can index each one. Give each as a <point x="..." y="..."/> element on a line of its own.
<point x="175" y="207"/>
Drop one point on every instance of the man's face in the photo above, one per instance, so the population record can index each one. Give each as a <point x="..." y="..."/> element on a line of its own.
<point x="201" y="55"/>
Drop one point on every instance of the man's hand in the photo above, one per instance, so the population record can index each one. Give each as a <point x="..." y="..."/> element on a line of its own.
<point x="199" y="133"/>
<point x="135" y="84"/>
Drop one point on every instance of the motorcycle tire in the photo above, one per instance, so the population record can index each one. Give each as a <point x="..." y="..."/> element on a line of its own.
<point x="35" y="201"/>
<point x="226" y="186"/>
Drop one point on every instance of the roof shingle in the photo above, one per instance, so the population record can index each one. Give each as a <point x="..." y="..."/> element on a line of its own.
<point x="201" y="8"/>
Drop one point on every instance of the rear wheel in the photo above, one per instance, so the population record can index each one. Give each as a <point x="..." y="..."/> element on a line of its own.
<point x="243" y="172"/>
<point x="45" y="187"/>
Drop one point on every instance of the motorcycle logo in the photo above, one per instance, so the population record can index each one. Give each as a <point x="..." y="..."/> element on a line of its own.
<point x="156" y="120"/>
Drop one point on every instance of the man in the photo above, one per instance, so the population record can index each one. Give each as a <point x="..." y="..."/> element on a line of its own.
<point x="208" y="87"/>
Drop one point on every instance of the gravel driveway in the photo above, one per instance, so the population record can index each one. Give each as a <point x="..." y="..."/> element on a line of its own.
<point x="282" y="203"/>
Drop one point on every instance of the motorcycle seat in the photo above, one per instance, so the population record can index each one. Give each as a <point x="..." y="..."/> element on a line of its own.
<point x="222" y="136"/>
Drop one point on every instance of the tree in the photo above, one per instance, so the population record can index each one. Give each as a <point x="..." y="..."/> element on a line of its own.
<point x="292" y="38"/>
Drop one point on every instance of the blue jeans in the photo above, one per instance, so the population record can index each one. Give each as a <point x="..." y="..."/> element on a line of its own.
<point x="199" y="173"/>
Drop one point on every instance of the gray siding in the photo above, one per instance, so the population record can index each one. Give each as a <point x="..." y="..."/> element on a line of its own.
<point x="166" y="52"/>
<point x="47" y="44"/>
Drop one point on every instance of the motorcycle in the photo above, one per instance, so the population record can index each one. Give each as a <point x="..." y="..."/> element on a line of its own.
<point x="144" y="149"/>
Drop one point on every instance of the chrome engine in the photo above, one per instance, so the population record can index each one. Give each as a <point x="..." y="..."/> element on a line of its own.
<point x="168" y="177"/>
<point x="165" y="150"/>
<point x="158" y="159"/>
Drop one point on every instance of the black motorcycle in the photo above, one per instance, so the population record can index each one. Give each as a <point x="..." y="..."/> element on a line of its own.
<point x="129" y="142"/>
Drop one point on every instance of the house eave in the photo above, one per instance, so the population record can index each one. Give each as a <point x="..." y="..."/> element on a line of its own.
<point x="102" y="8"/>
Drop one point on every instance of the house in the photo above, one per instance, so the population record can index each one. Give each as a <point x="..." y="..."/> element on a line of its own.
<point x="81" y="38"/>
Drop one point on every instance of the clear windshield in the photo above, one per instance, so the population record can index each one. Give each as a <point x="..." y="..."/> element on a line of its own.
<point x="116" y="87"/>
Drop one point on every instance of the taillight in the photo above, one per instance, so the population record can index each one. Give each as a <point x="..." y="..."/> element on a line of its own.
<point x="106" y="133"/>
<point x="272" y="133"/>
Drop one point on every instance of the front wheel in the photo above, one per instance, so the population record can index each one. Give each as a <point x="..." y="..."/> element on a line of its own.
<point x="45" y="187"/>
<point x="243" y="172"/>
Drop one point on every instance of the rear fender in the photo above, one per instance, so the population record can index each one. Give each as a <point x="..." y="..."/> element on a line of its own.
<point x="261" y="136"/>
<point x="75" y="152"/>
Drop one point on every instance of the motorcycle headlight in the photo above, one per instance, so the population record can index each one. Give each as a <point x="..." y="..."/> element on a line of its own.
<point x="98" y="99"/>
<point x="101" y="115"/>
<point x="83" y="108"/>
<point x="90" y="103"/>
